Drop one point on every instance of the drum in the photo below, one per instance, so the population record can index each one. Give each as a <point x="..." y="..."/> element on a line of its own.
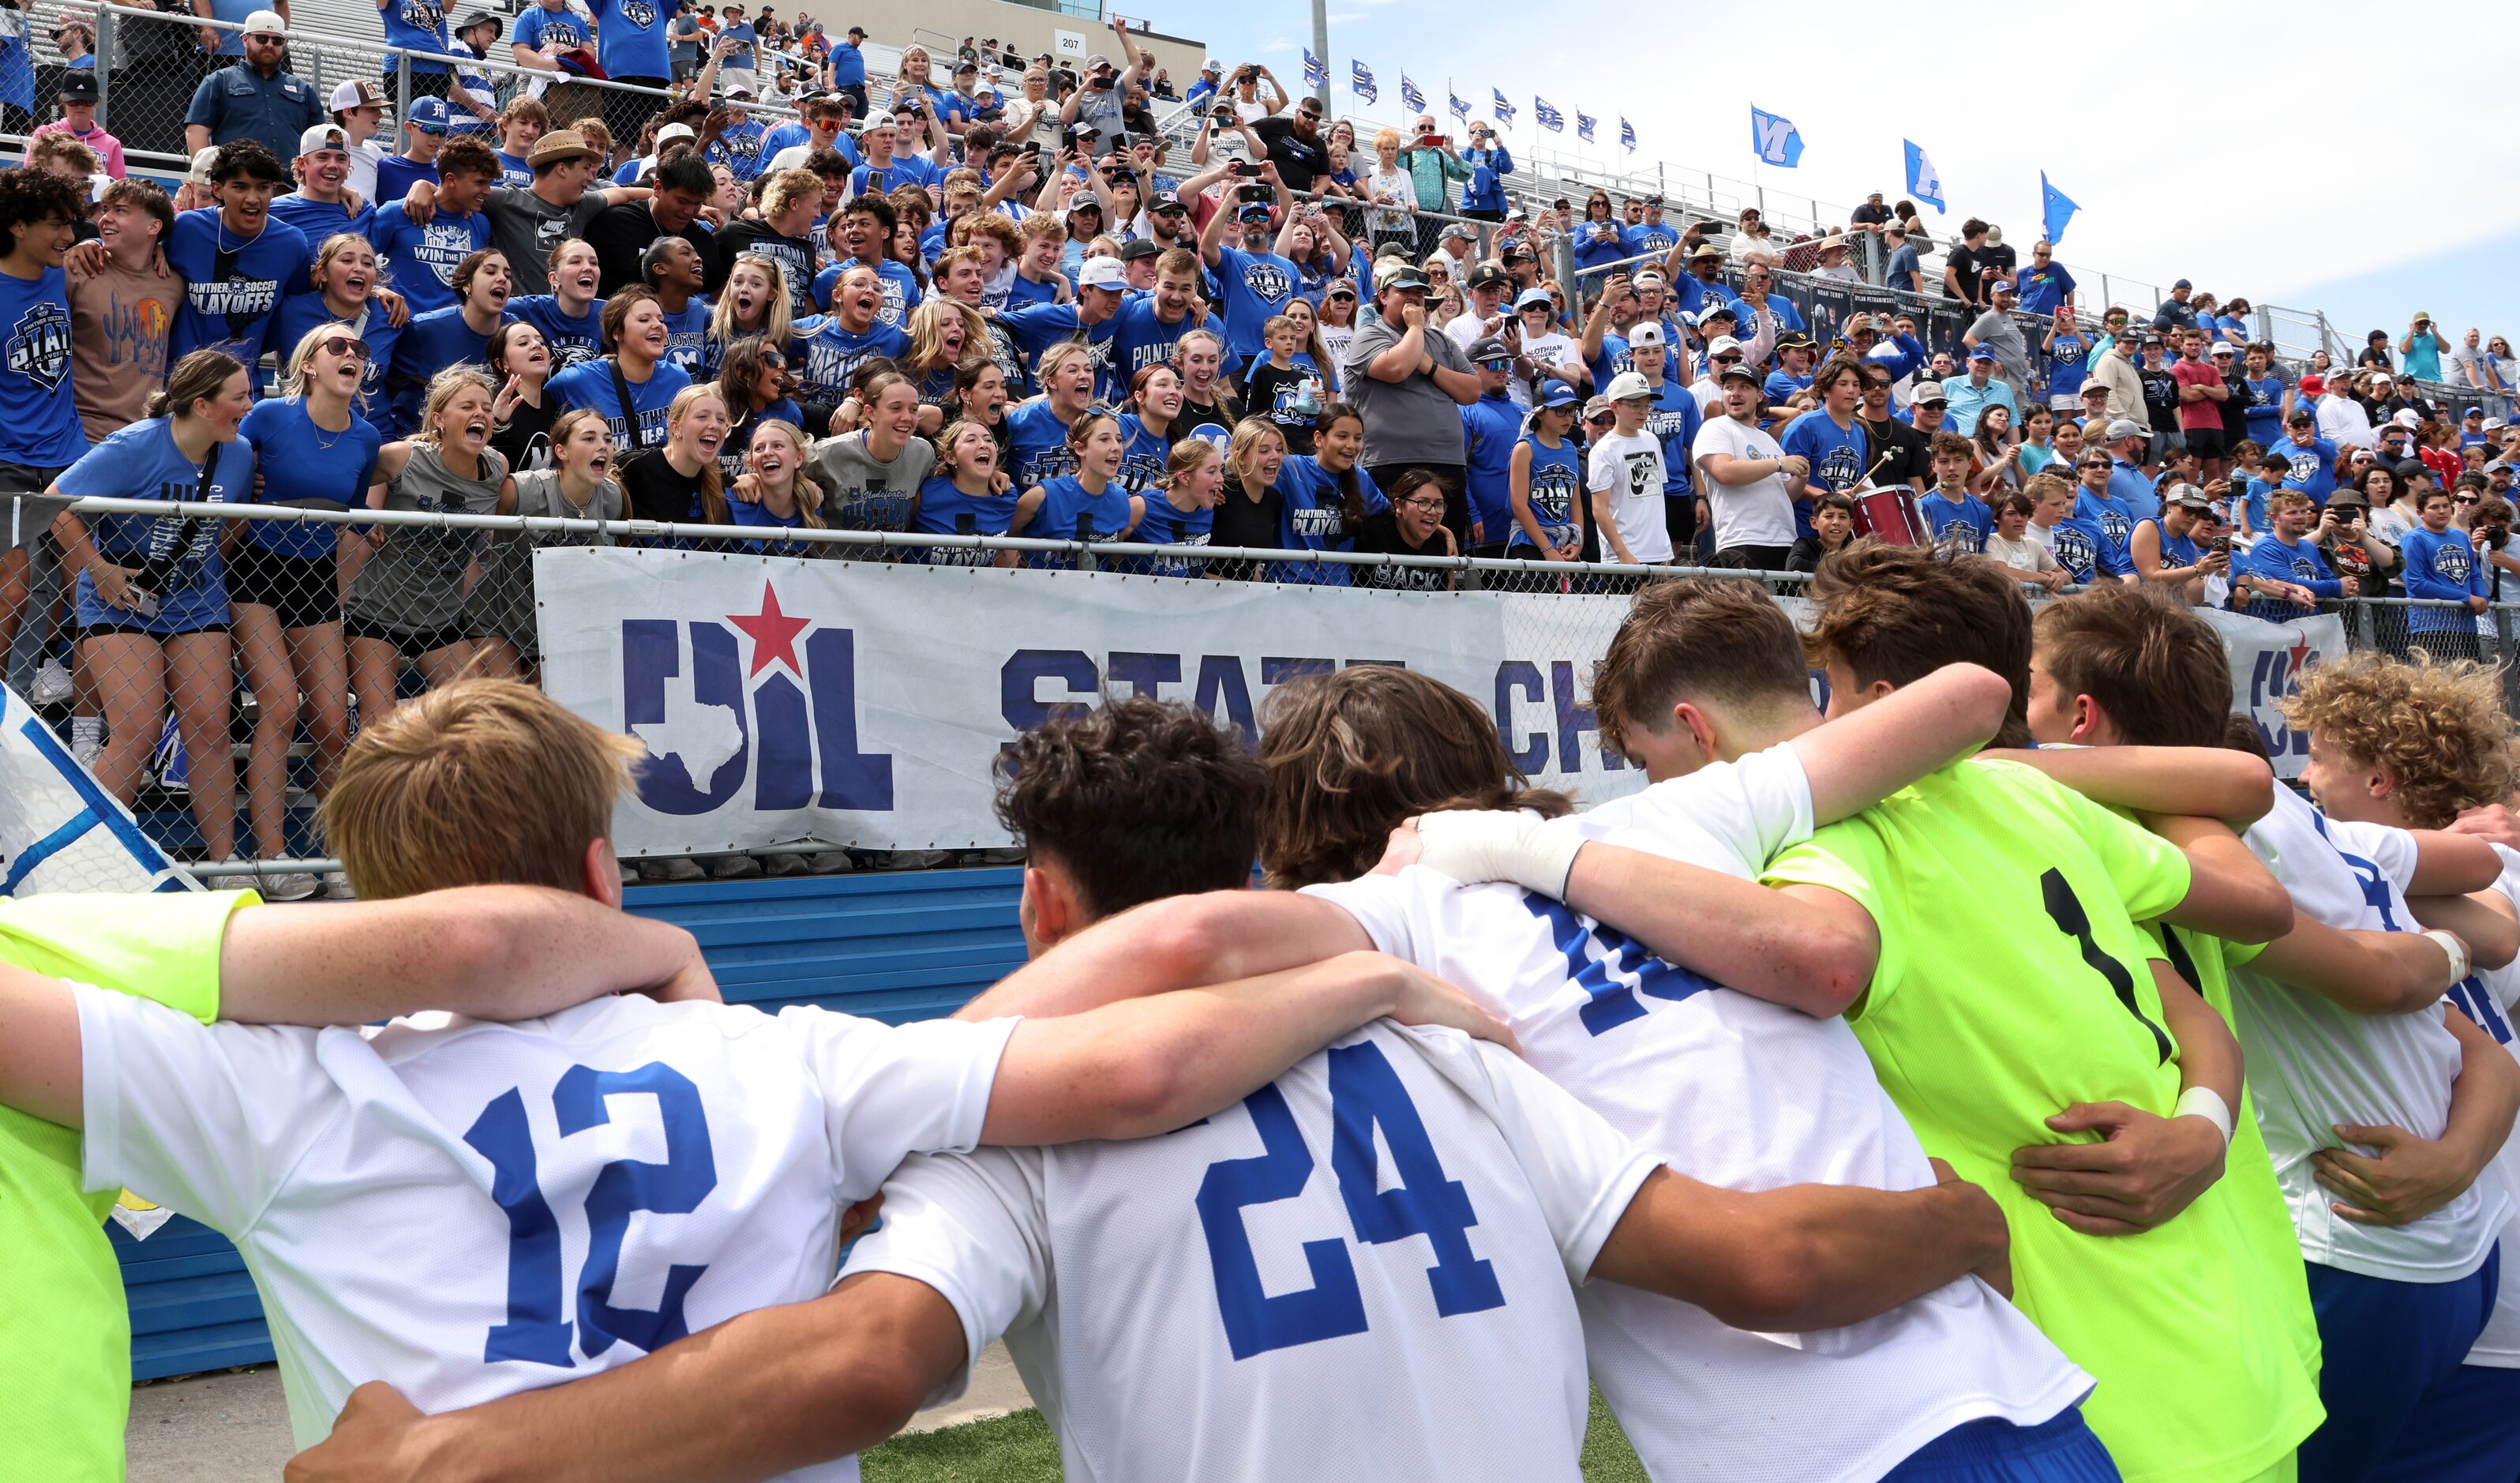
<point x="1890" y="516"/>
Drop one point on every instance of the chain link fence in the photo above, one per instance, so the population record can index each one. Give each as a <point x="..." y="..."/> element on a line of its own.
<point x="214" y="664"/>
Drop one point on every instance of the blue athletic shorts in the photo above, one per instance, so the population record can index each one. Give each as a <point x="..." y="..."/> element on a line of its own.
<point x="2467" y="1430"/>
<point x="1990" y="1449"/>
<point x="2389" y="1350"/>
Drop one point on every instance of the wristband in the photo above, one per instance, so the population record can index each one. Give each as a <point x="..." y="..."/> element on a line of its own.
<point x="2207" y="1103"/>
<point x="1478" y="845"/>
<point x="2449" y="943"/>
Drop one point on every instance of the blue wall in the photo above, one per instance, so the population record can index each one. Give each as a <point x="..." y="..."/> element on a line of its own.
<point x="894" y="947"/>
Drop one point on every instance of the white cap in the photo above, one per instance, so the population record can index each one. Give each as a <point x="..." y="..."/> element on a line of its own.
<point x="1101" y="273"/>
<point x="1627" y="386"/>
<point x="322" y="136"/>
<point x="357" y="93"/>
<point x="265" y="24"/>
<point x="2408" y="418"/>
<point x="200" y="174"/>
<point x="1722" y="344"/>
<point x="1647" y="333"/>
<point x="673" y="131"/>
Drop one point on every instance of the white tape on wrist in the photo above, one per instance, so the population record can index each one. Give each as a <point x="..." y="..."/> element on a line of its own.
<point x="2207" y="1103"/>
<point x="2449" y="943"/>
<point x="1475" y="845"/>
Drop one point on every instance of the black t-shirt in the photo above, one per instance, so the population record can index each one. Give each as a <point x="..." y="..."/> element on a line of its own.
<point x="2160" y="398"/>
<point x="1270" y="393"/>
<point x="1382" y="536"/>
<point x="2235" y="407"/>
<point x="1965" y="266"/>
<point x="1909" y="451"/>
<point x="658" y="491"/>
<point x="524" y="438"/>
<point x="1244" y="521"/>
<point x="1991" y="262"/>
<point x="798" y="259"/>
<point x="1298" y="160"/>
<point x="1869" y="215"/>
<point x="619" y="233"/>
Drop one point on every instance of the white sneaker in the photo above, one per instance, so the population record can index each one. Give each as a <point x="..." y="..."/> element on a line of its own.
<point x="87" y="739"/>
<point x="734" y="867"/>
<point x="830" y="863"/>
<point x="784" y="864"/>
<point x="52" y="684"/>
<point x="292" y="885"/>
<point x="672" y="871"/>
<point x="336" y="887"/>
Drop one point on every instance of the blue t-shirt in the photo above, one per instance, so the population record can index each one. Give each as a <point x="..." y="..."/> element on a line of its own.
<point x="2441" y="566"/>
<point x="1257" y="286"/>
<point x="545" y="30"/>
<point x="744" y="513"/>
<point x="737" y="146"/>
<point x="2043" y="288"/>
<point x="1782" y="385"/>
<point x="905" y="169"/>
<point x="2114" y="517"/>
<point x="1037" y="450"/>
<point x="2069" y="364"/>
<point x="783" y="135"/>
<point x="305" y="466"/>
<point x="2300" y="563"/>
<point x="1490" y="428"/>
<point x="589" y="384"/>
<point x="2133" y="492"/>
<point x="1036" y="327"/>
<point x="739" y="60"/>
<point x="417" y="24"/>
<point x="571" y="339"/>
<point x="1143" y="456"/>
<point x="141" y="461"/>
<point x="1556" y="494"/>
<point x="2265" y="414"/>
<point x="1597" y="243"/>
<point x="1838" y="456"/>
<point x="630" y="39"/>
<point x="2253" y="504"/>
<point x="1314" y="519"/>
<point x="321" y="221"/>
<point x="420" y="262"/>
<point x="1787" y="316"/>
<point x="431" y="343"/>
<point x="1161" y="523"/>
<point x="39" y="421"/>
<point x="1139" y="339"/>
<point x="1965" y="522"/>
<point x="1675" y="422"/>
<point x="236" y="12"/>
<point x="303" y="313"/>
<point x="832" y="355"/>
<point x="900" y="289"/>
<point x="1647" y="237"/>
<point x="395" y="174"/>
<point x="1022" y="291"/>
<point x="232" y="310"/>
<point x="1070" y="512"/>
<point x="2086" y="551"/>
<point x="944" y="510"/>
<point x="849" y="65"/>
<point x="514" y="171"/>
<point x="2314" y="466"/>
<point x="687" y="337"/>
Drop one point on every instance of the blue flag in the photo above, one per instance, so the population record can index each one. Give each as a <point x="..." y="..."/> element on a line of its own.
<point x="1774" y="140"/>
<point x="1502" y="110"/>
<point x="1317" y="72"/>
<point x="1460" y="110"/>
<point x="2056" y="208"/>
<point x="1545" y="116"/>
<point x="1360" y="81"/>
<point x="1584" y="125"/>
<point x="1409" y="95"/>
<point x="1628" y="135"/>
<point x="1923" y="181"/>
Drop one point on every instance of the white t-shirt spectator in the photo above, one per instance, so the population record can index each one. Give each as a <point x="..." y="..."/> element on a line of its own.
<point x="1553" y="353"/>
<point x="1760" y="513"/>
<point x="1631" y="468"/>
<point x="2029" y="554"/>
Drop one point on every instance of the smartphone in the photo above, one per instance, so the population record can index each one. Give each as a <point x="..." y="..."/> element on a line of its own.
<point x="1045" y="160"/>
<point x="1244" y="169"/>
<point x="2221" y="545"/>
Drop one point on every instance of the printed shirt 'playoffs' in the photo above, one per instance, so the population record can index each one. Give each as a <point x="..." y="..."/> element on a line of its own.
<point x="1242" y="1299"/>
<point x="2315" y="1065"/>
<point x="1742" y="1094"/>
<point x="1981" y="1036"/>
<point x="550" y="1198"/>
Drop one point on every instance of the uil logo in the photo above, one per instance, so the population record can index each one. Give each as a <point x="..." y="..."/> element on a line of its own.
<point x="791" y="732"/>
<point x="1268" y="281"/>
<point x="2075" y="552"/>
<point x="2277" y="674"/>
<point x="40" y="345"/>
<point x="2452" y="565"/>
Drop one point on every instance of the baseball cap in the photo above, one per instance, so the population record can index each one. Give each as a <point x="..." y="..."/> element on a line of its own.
<point x="1982" y="352"/>
<point x="1165" y="201"/>
<point x="265" y="24"/>
<point x="1598" y="406"/>
<point x="740" y="90"/>
<point x="2473" y="412"/>
<point x="664" y="136"/>
<point x="357" y="93"/>
<point x="1253" y="210"/>
<point x="1713" y="312"/>
<point x="1722" y="345"/>
<point x="1927" y="391"/>
<point x="78" y="85"/>
<point x="857" y="30"/>
<point x="1139" y="249"/>
<point x="1400" y="275"/>
<point x="2412" y="468"/>
<point x="2189" y="496"/>
<point x="428" y="115"/>
<point x="322" y="136"/>
<point x="1488" y="276"/>
<point x="1534" y="298"/>
<point x="1457" y="231"/>
<point x="2182" y="284"/>
<point x="2409" y="419"/>
<point x="1649" y="279"/>
<point x="2494" y="425"/>
<point x="2223" y="348"/>
<point x="1101" y="273"/>
<point x="200" y="174"/>
<point x="1560" y="394"/>
<point x="1339" y="289"/>
<point x="2314" y="385"/>
<point x="2126" y="427"/>
<point x="1089" y="203"/>
<point x="1098" y="60"/>
<point x="1488" y="347"/>
<point x="1795" y="339"/>
<point x="2348" y="499"/>
<point x="1741" y="370"/>
<point x="1647" y="333"/>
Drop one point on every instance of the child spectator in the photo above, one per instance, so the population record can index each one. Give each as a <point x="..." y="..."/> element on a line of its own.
<point x="1832" y="523"/>
<point x="2026" y="558"/>
<point x="1955" y="517"/>
<point x="79" y="97"/>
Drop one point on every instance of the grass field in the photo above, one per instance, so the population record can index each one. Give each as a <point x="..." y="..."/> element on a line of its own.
<point x="1020" y="1448"/>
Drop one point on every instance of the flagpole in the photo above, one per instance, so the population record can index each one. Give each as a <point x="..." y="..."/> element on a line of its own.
<point x="1322" y="49"/>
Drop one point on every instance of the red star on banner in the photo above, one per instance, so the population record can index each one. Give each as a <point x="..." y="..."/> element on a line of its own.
<point x="773" y="634"/>
<point x="2300" y="651"/>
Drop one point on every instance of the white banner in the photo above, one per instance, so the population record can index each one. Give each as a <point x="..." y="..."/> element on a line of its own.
<point x="2266" y="661"/>
<point x="59" y="830"/>
<point x="862" y="704"/>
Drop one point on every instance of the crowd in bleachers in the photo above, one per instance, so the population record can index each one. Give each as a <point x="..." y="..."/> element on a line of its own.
<point x="1008" y="303"/>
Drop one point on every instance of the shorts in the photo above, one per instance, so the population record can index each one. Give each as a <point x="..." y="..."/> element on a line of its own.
<point x="2161" y="446"/>
<point x="1752" y="557"/>
<point x="2392" y="1353"/>
<point x="2468" y="1426"/>
<point x="411" y="646"/>
<point x="1991" y="1450"/>
<point x="2204" y="442"/>
<point x="107" y="630"/>
<point x="303" y="591"/>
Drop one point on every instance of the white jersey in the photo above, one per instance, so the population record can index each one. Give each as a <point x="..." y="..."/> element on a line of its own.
<point x="1740" y="1092"/>
<point x="2313" y="1063"/>
<point x="1362" y="1270"/>
<point x="2487" y="997"/>
<point x="467" y="1210"/>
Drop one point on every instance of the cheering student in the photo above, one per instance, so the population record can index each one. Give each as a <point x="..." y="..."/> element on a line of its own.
<point x="460" y="334"/>
<point x="872" y="477"/>
<point x="753" y="386"/>
<point x="238" y="263"/>
<point x="633" y="386"/>
<point x="406" y="604"/>
<point x="1147" y="429"/>
<point x="348" y="293"/>
<point x="426" y="255"/>
<point x="753" y="302"/>
<point x="1545" y="492"/>
<point x="673" y="270"/>
<point x="1089" y="502"/>
<point x="845" y="341"/>
<point x="962" y="497"/>
<point x="580" y="485"/>
<point x="519" y="365"/>
<point x="1182" y="512"/>
<point x="40" y="432"/>
<point x="571" y="316"/>
<point x="1328" y="497"/>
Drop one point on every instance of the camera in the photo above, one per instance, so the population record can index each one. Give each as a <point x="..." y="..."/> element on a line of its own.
<point x="1244" y="169"/>
<point x="2495" y="535"/>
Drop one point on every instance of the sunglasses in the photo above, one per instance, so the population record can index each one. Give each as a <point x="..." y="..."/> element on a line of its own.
<point x="772" y="360"/>
<point x="1601" y="419"/>
<point x="1726" y="360"/>
<point x="342" y="344"/>
<point x="1495" y="364"/>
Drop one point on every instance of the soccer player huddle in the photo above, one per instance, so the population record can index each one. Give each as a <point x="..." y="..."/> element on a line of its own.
<point x="1999" y="1076"/>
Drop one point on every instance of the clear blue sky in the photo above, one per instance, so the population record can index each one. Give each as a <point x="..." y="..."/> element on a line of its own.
<point x="2245" y="200"/>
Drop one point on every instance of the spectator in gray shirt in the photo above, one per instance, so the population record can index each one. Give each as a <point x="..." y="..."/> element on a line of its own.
<point x="1411" y="381"/>
<point x="1907" y="270"/>
<point x="1997" y="329"/>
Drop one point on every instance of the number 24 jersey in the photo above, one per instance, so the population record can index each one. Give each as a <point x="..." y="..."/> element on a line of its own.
<point x="469" y="1210"/>
<point x="1366" y="1270"/>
